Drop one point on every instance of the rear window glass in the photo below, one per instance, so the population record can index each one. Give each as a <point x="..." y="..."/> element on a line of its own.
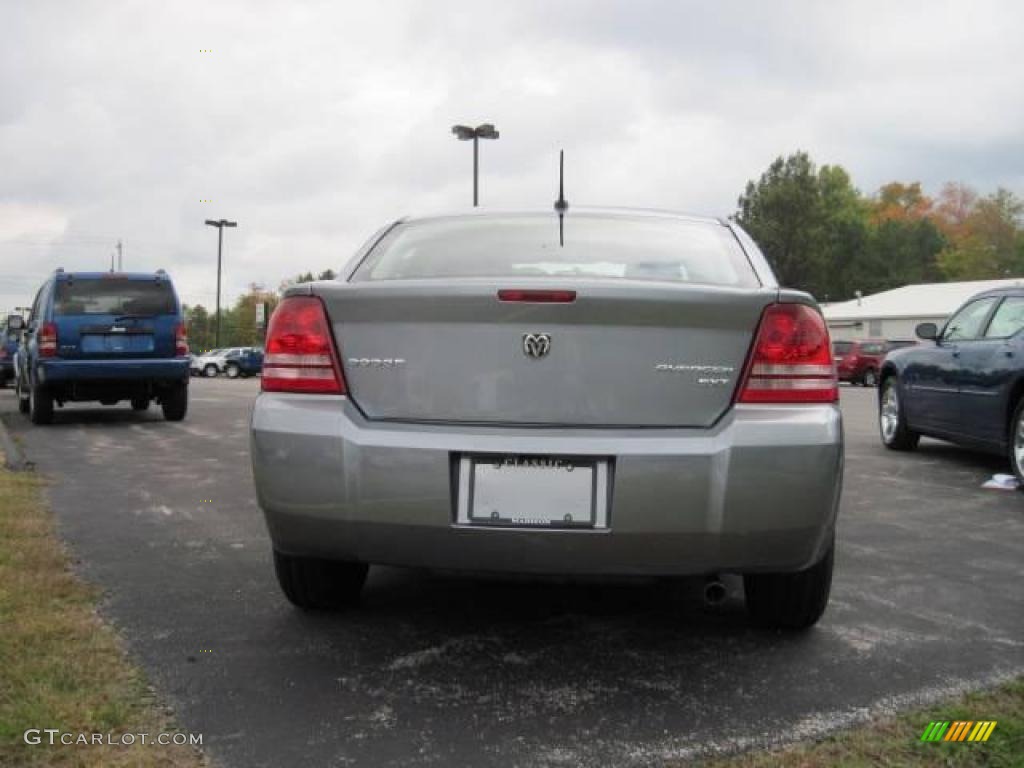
<point x="114" y="296"/>
<point x="527" y="245"/>
<point x="872" y="349"/>
<point x="841" y="347"/>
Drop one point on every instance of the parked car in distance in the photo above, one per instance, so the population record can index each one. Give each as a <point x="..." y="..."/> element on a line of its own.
<point x="214" y="362"/>
<point x="10" y="335"/>
<point x="616" y="392"/>
<point x="859" y="362"/>
<point x="965" y="384"/>
<point x="245" y="362"/>
<point x="107" y="337"/>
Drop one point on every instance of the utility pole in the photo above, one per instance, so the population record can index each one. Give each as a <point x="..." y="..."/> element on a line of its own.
<point x="220" y="245"/>
<point x="120" y="263"/>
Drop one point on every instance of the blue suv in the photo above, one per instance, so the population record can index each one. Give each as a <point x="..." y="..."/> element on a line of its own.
<point x="107" y="337"/>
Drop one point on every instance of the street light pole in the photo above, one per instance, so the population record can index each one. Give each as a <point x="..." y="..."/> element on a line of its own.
<point x="220" y="224"/>
<point x="465" y="133"/>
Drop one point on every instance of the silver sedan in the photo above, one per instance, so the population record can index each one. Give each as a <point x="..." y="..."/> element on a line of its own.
<point x="612" y="392"/>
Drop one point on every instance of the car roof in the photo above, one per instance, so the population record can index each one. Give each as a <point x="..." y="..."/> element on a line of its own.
<point x="1009" y="290"/>
<point x="610" y="212"/>
<point x="122" y="275"/>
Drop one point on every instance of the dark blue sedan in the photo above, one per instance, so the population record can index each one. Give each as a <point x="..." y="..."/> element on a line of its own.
<point x="967" y="386"/>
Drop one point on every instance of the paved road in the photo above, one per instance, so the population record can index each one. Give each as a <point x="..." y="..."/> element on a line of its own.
<point x="441" y="670"/>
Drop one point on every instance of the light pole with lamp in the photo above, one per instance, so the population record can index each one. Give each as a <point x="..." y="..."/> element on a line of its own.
<point x="465" y="133"/>
<point x="220" y="245"/>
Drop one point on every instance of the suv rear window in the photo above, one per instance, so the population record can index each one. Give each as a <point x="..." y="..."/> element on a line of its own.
<point x="841" y="347"/>
<point x="114" y="296"/>
<point x="527" y="245"/>
<point x="872" y="349"/>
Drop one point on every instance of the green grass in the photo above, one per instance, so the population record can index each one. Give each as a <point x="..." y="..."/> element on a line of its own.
<point x="60" y="665"/>
<point x="896" y="741"/>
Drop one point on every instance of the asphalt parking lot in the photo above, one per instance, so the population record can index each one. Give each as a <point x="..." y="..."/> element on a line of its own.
<point x="437" y="669"/>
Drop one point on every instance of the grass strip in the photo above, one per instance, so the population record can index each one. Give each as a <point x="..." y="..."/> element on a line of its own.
<point x="61" y="666"/>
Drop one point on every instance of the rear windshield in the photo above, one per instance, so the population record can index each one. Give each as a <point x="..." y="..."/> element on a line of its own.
<point x="841" y="347"/>
<point x="872" y="349"/>
<point x="114" y="296"/>
<point x="527" y="245"/>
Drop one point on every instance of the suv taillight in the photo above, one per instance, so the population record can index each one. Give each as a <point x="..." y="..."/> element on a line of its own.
<point x="47" y="340"/>
<point x="300" y="355"/>
<point x="792" y="359"/>
<point x="180" y="340"/>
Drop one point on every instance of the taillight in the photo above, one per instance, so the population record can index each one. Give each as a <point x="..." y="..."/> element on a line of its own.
<point x="47" y="340"/>
<point x="180" y="341"/>
<point x="300" y="355"/>
<point x="792" y="359"/>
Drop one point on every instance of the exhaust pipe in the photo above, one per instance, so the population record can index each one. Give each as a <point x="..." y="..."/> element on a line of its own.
<point x="714" y="591"/>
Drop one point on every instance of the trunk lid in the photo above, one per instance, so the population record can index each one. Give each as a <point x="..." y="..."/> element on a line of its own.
<point x="623" y="354"/>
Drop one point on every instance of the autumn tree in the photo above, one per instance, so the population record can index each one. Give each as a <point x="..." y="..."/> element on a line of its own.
<point x="986" y="239"/>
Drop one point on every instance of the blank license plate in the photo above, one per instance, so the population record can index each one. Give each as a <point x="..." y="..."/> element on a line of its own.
<point x="531" y="491"/>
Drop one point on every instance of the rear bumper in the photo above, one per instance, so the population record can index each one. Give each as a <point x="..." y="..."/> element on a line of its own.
<point x="58" y="371"/>
<point x="759" y="492"/>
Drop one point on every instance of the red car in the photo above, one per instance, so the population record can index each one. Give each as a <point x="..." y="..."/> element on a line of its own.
<point x="858" y="362"/>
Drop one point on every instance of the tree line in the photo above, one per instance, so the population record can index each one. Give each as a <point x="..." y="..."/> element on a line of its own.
<point x="822" y="235"/>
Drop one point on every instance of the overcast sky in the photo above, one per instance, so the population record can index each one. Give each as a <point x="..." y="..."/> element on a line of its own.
<point x="312" y="124"/>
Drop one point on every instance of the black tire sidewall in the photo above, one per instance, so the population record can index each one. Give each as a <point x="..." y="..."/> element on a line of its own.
<point x="40" y="405"/>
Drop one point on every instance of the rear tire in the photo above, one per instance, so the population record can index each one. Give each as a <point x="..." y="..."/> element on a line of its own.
<point x="23" y="401"/>
<point x="140" y="403"/>
<point x="790" y="600"/>
<point x="892" y="419"/>
<point x="210" y="371"/>
<point x="231" y="371"/>
<point x="40" y="406"/>
<point x="174" y="403"/>
<point x="314" y="584"/>
<point x="1016" y="442"/>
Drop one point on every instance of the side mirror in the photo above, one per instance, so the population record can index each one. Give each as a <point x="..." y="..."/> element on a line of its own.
<point x="15" y="323"/>
<point x="927" y="331"/>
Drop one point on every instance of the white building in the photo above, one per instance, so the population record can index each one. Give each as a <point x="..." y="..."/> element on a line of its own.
<point x="894" y="314"/>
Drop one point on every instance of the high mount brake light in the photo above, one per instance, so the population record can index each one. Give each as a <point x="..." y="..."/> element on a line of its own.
<point x="792" y="359"/>
<point x="300" y="354"/>
<point x="47" y="340"/>
<point x="536" y="296"/>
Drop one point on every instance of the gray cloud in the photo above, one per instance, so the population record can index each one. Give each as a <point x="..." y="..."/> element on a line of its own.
<point x="312" y="124"/>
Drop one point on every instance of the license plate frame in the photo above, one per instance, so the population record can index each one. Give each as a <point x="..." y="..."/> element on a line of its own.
<point x="486" y="480"/>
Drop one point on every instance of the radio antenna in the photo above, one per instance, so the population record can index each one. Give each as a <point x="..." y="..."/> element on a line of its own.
<point x="561" y="204"/>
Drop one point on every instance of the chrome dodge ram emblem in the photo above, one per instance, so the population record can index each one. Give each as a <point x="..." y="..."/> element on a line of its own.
<point x="536" y="345"/>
